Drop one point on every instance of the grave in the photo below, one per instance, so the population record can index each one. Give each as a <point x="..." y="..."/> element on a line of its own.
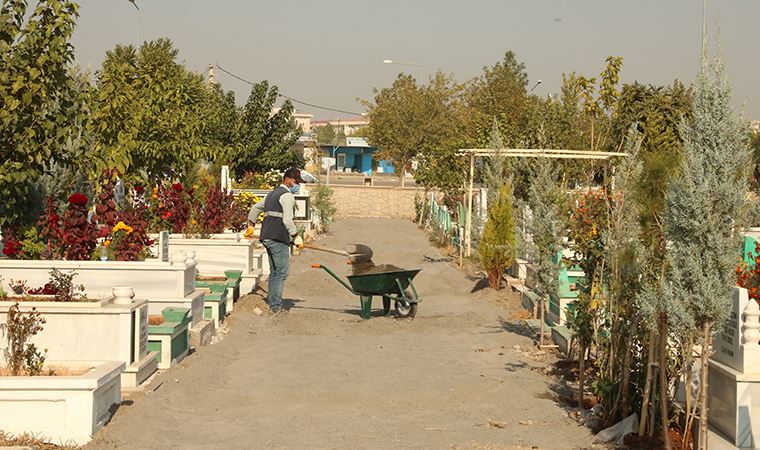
<point x="734" y="384"/>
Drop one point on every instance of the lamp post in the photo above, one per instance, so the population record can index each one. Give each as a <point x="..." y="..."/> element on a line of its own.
<point x="535" y="86"/>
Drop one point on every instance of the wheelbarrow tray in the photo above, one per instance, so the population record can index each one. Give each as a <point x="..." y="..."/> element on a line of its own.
<point x="382" y="283"/>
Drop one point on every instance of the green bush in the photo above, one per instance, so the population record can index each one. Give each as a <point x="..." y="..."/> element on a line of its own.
<point x="497" y="245"/>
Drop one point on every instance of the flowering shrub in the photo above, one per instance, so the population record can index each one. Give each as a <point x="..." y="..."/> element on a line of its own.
<point x="748" y="275"/>
<point x="79" y="235"/>
<point x="243" y="204"/>
<point x="266" y="181"/>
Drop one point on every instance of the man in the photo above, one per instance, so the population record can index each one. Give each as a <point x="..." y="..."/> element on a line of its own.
<point x="278" y="231"/>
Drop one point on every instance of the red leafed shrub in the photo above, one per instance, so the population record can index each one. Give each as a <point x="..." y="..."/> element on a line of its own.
<point x="11" y="245"/>
<point x="105" y="207"/>
<point x="48" y="289"/>
<point x="214" y="210"/>
<point x="79" y="235"/>
<point x="52" y="235"/>
<point x="174" y="207"/>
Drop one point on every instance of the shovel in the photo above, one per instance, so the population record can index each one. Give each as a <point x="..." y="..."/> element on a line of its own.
<point x="357" y="253"/>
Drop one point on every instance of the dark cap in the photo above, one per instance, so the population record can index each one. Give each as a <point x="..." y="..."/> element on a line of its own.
<point x="294" y="174"/>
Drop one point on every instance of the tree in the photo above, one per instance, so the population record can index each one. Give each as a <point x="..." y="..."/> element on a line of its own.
<point x="497" y="247"/>
<point x="704" y="205"/>
<point x="150" y="112"/>
<point x="266" y="139"/>
<point x="501" y="92"/>
<point x="38" y="100"/>
<point x="421" y="123"/>
<point x="327" y="134"/>
<point x="545" y="200"/>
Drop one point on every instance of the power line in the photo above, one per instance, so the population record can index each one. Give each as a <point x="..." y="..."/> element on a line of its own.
<point x="294" y="100"/>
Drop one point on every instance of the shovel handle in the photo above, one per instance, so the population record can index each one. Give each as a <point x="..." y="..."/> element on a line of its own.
<point x="328" y="250"/>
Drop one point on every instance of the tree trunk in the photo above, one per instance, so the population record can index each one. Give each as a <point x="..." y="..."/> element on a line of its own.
<point x="704" y="358"/>
<point x="402" y="173"/>
<point x="543" y="319"/>
<point x="581" y="374"/>
<point x="663" y="357"/>
<point x="647" y="386"/>
<point x="626" y="379"/>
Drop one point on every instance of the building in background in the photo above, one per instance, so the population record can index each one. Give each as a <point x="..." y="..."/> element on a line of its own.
<point x="349" y="126"/>
<point x="356" y="157"/>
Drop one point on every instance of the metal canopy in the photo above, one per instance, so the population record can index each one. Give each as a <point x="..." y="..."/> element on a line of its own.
<point x="520" y="153"/>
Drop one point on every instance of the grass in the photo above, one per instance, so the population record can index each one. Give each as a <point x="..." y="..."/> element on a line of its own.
<point x="30" y="440"/>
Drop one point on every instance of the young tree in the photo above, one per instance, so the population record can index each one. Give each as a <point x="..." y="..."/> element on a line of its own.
<point x="703" y="209"/>
<point x="545" y="200"/>
<point x="497" y="247"/>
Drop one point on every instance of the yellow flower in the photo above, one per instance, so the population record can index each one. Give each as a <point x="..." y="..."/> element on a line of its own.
<point x="107" y="242"/>
<point x="122" y="226"/>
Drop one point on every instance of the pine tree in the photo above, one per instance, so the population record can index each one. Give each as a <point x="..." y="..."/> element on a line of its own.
<point x="703" y="210"/>
<point x="497" y="247"/>
<point x="545" y="200"/>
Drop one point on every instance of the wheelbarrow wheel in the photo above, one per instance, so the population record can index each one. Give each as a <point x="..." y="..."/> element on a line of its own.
<point x="406" y="309"/>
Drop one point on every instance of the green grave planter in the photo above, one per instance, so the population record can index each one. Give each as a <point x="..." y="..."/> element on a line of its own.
<point x="234" y="277"/>
<point x="171" y="339"/>
<point x="215" y="305"/>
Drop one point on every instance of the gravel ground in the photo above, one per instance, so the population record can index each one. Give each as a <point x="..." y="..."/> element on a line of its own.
<point x="463" y="374"/>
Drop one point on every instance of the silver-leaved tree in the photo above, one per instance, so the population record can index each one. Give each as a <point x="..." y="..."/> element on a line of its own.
<point x="545" y="200"/>
<point x="703" y="210"/>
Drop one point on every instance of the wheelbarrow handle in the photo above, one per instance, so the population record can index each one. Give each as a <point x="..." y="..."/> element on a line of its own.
<point x="332" y="274"/>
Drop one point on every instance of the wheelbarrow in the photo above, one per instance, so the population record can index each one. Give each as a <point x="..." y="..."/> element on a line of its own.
<point x="394" y="286"/>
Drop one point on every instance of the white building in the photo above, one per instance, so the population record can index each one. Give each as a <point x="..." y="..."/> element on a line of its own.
<point x="349" y="126"/>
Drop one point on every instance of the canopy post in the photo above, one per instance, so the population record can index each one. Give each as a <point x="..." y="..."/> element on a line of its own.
<point x="469" y="205"/>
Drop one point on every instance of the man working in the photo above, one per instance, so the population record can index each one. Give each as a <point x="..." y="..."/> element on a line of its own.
<point x="278" y="231"/>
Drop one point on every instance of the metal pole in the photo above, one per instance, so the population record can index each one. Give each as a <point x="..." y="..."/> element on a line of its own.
<point x="469" y="206"/>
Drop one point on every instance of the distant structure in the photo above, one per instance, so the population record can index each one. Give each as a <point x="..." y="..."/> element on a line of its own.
<point x="302" y="119"/>
<point x="755" y="126"/>
<point x="349" y="126"/>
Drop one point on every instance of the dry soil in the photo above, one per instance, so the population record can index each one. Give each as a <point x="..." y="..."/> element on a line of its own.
<point x="462" y="374"/>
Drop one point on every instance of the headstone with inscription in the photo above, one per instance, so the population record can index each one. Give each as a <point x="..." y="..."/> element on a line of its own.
<point x="734" y="383"/>
<point x="163" y="246"/>
<point x="728" y="349"/>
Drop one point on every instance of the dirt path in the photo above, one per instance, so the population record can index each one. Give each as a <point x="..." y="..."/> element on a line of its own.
<point x="319" y="377"/>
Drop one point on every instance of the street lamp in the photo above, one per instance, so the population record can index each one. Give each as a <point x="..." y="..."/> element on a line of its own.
<point x="410" y="64"/>
<point x="535" y="86"/>
<point x="401" y="63"/>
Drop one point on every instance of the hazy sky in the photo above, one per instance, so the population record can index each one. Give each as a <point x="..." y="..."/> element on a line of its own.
<point x="330" y="52"/>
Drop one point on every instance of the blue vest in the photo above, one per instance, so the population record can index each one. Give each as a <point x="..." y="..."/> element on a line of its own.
<point x="273" y="228"/>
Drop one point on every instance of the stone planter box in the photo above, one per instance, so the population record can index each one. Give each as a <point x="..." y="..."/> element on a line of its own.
<point x="171" y="339"/>
<point x="231" y="286"/>
<point x="215" y="304"/>
<point x="216" y="255"/>
<point x="163" y="284"/>
<point x="61" y="409"/>
<point x="95" y="331"/>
